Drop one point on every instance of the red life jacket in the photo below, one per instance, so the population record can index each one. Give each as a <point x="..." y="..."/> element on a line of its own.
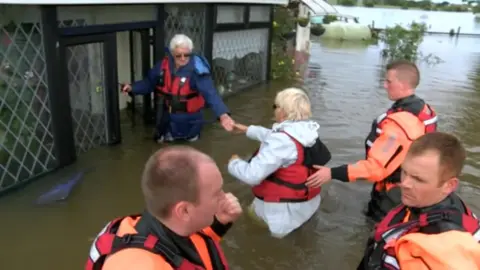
<point x="288" y="184"/>
<point x="108" y="242"/>
<point x="179" y="96"/>
<point x="389" y="229"/>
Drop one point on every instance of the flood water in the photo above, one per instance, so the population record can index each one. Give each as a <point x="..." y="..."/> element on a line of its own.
<point x="437" y="21"/>
<point x="345" y="85"/>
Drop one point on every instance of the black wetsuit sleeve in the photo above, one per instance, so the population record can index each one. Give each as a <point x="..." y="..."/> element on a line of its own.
<point x="219" y="228"/>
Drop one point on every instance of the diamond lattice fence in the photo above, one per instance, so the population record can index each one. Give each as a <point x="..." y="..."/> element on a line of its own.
<point x="239" y="59"/>
<point x="188" y="19"/>
<point x="26" y="140"/>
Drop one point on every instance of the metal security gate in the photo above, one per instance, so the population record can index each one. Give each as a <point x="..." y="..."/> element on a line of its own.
<point x="188" y="19"/>
<point x="26" y="140"/>
<point x="90" y="66"/>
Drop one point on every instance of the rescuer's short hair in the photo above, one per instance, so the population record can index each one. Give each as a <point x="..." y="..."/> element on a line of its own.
<point x="171" y="176"/>
<point x="451" y="153"/>
<point x="406" y="72"/>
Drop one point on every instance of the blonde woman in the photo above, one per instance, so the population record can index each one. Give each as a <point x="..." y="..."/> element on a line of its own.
<point x="279" y="169"/>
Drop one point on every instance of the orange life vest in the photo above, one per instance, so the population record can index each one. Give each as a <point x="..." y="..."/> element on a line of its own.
<point x="383" y="198"/>
<point x="108" y="243"/>
<point x="427" y="116"/>
<point x="288" y="184"/>
<point x="177" y="92"/>
<point x="442" y="251"/>
<point x="394" y="226"/>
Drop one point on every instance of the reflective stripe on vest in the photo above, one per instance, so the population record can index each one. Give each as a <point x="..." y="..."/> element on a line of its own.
<point x="388" y="236"/>
<point x="391" y="261"/>
<point x="95" y="254"/>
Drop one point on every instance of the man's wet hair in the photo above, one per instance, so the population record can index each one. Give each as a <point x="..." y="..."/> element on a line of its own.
<point x="171" y="176"/>
<point x="451" y="152"/>
<point x="406" y="72"/>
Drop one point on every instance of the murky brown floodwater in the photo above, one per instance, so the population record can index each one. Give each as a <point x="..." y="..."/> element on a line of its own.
<point x="346" y="94"/>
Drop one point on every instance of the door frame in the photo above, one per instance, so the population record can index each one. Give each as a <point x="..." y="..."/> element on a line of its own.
<point x="145" y="68"/>
<point x="109" y="41"/>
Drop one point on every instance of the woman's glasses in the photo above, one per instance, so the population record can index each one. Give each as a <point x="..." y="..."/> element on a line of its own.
<point x="185" y="55"/>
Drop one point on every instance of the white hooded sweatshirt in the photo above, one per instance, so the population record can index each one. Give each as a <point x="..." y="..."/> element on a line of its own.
<point x="277" y="150"/>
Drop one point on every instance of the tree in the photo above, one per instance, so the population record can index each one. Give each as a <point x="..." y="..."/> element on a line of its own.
<point x="403" y="42"/>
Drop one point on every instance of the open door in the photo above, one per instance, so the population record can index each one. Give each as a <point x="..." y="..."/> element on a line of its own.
<point x="90" y="76"/>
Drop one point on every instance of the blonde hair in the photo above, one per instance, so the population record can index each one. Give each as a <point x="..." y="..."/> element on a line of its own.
<point x="295" y="103"/>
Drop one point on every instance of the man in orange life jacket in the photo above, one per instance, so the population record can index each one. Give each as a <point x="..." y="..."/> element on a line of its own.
<point x="186" y="215"/>
<point x="388" y="141"/>
<point x="429" y="177"/>
<point x="183" y="83"/>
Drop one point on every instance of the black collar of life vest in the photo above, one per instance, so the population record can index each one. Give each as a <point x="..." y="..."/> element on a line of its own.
<point x="442" y="219"/>
<point x="411" y="104"/>
<point x="452" y="201"/>
<point x="181" y="245"/>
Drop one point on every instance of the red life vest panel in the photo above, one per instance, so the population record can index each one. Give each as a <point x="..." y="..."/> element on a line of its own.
<point x="389" y="229"/>
<point x="108" y="242"/>
<point x="178" y="94"/>
<point x="288" y="184"/>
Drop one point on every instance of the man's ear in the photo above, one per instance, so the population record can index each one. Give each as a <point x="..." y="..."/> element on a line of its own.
<point x="450" y="185"/>
<point x="181" y="210"/>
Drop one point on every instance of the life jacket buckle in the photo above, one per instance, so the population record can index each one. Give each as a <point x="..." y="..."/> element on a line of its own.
<point x="445" y="216"/>
<point x="374" y="265"/>
<point x="126" y="239"/>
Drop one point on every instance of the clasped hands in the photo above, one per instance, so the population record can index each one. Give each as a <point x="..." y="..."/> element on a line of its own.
<point x="237" y="128"/>
<point x="229" y="124"/>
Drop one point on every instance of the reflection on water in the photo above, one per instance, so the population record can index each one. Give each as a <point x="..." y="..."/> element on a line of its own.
<point x="344" y="44"/>
<point x="345" y="84"/>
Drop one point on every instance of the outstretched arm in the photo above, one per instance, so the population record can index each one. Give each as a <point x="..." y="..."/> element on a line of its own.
<point x="147" y="85"/>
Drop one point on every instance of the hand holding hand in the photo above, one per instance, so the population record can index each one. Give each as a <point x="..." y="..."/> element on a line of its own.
<point x="320" y="177"/>
<point x="239" y="128"/>
<point x="229" y="209"/>
<point x="227" y="122"/>
<point x="234" y="156"/>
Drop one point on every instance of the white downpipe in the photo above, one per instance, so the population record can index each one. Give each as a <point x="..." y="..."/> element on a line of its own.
<point x="303" y="33"/>
<point x="302" y="46"/>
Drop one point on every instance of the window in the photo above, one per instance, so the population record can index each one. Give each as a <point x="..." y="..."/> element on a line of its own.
<point x="259" y="13"/>
<point x="230" y="14"/>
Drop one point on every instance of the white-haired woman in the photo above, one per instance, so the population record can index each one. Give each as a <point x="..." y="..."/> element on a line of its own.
<point x="279" y="169"/>
<point x="183" y="83"/>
